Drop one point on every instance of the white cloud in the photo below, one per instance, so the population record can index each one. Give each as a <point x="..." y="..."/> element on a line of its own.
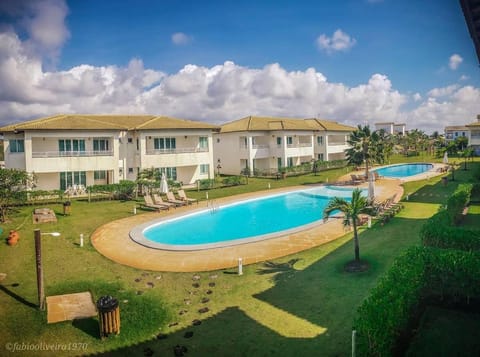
<point x="417" y="97"/>
<point x="179" y="39"/>
<point x="340" y="41"/>
<point x="463" y="77"/>
<point x="444" y="91"/>
<point x="43" y="21"/>
<point x="454" y="61"/>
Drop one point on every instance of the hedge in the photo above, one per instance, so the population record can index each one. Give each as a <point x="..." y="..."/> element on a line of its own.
<point x="458" y="201"/>
<point x="437" y="232"/>
<point x="419" y="273"/>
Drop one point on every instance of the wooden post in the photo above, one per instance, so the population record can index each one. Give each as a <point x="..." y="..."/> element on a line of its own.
<point x="38" y="260"/>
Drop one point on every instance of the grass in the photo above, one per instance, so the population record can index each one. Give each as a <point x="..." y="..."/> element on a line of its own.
<point x="297" y="305"/>
<point x="445" y="332"/>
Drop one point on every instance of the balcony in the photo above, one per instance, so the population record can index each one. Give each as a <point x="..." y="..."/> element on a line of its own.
<point x="176" y="151"/>
<point x="49" y="154"/>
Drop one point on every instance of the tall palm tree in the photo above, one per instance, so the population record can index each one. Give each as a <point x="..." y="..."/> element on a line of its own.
<point x="351" y="210"/>
<point x="363" y="147"/>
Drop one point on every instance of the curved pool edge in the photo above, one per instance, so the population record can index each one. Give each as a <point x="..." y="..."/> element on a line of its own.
<point x="112" y="240"/>
<point x="433" y="172"/>
<point x="138" y="236"/>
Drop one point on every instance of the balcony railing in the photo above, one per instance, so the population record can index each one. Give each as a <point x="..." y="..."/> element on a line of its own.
<point x="261" y="146"/>
<point x="49" y="154"/>
<point x="305" y="145"/>
<point x="337" y="143"/>
<point x="176" y="151"/>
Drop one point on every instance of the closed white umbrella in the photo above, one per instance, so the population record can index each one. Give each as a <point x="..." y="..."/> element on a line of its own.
<point x="163" y="184"/>
<point x="445" y="158"/>
<point x="371" y="186"/>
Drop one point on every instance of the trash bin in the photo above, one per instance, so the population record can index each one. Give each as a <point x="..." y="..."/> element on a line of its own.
<point x="108" y="316"/>
<point x="67" y="205"/>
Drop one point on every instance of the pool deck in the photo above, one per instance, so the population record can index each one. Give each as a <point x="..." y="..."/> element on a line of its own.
<point x="113" y="241"/>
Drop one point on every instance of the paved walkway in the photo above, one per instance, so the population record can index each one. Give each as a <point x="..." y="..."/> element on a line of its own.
<point x="113" y="241"/>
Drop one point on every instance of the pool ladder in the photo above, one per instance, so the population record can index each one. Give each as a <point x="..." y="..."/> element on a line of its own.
<point x="213" y="206"/>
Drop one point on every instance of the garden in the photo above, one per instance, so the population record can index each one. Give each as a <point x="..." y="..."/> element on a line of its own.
<point x="304" y="304"/>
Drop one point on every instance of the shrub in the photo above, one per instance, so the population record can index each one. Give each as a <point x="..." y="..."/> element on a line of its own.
<point x="457" y="202"/>
<point x="207" y="184"/>
<point x="232" y="181"/>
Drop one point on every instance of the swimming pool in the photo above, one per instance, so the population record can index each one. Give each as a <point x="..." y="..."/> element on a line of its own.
<point x="238" y="223"/>
<point x="404" y="170"/>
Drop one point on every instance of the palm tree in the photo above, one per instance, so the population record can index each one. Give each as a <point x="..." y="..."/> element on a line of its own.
<point x="363" y="147"/>
<point x="351" y="210"/>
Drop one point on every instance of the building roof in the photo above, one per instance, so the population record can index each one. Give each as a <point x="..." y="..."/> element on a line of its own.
<point x="474" y="124"/>
<point x="255" y="123"/>
<point x="471" y="11"/>
<point x="455" y="127"/>
<point x="106" y="122"/>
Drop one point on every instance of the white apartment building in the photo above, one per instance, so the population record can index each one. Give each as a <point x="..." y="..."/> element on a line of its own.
<point x="269" y="143"/>
<point x="454" y="131"/>
<point x="66" y="150"/>
<point x="391" y="127"/>
<point x="474" y="135"/>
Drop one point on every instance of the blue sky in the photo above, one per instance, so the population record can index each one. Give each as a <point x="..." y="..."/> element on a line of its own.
<point x="410" y="41"/>
<point x="350" y="61"/>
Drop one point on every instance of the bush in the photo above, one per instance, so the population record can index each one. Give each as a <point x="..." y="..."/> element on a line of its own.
<point x="232" y="181"/>
<point x="417" y="274"/>
<point x="207" y="184"/>
<point x="437" y="232"/>
<point x="457" y="202"/>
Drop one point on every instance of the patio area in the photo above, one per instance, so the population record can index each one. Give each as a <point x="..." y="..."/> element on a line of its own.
<point x="112" y="240"/>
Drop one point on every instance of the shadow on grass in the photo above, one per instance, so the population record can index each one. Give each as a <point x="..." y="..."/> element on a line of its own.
<point x="228" y="333"/>
<point x="89" y="326"/>
<point x="18" y="297"/>
<point x="272" y="267"/>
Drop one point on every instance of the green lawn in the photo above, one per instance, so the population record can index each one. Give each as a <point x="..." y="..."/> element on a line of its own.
<point x="446" y="332"/>
<point x="305" y="308"/>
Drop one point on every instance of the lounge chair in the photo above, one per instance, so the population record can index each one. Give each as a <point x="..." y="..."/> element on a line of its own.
<point x="183" y="197"/>
<point x="149" y="203"/>
<point x="171" y="198"/>
<point x="157" y="199"/>
<point x="356" y="180"/>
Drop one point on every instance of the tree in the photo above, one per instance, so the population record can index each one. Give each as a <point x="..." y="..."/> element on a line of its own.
<point x="13" y="186"/>
<point x="461" y="142"/>
<point x="351" y="210"/>
<point x="363" y="147"/>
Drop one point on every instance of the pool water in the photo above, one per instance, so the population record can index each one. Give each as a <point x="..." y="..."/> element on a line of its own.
<point x="235" y="223"/>
<point x="404" y="170"/>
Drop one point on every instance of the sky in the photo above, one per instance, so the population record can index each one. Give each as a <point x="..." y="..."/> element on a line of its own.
<point x="351" y="61"/>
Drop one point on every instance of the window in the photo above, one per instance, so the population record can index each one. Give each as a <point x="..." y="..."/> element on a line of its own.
<point x="69" y="178"/>
<point x="289" y="140"/>
<point x="99" y="175"/>
<point x="100" y="144"/>
<point x="165" y="144"/>
<point x="130" y="170"/>
<point x="279" y="141"/>
<point x="170" y="172"/>
<point x="204" y="168"/>
<point x="320" y="157"/>
<point x="71" y="146"/>
<point x="203" y="142"/>
<point x="279" y="162"/>
<point x="17" y="145"/>
<point x="130" y="140"/>
<point x="456" y="133"/>
<point x="218" y="140"/>
<point x="138" y="144"/>
<point x="463" y="133"/>
<point x="320" y="140"/>
<point x="290" y="161"/>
